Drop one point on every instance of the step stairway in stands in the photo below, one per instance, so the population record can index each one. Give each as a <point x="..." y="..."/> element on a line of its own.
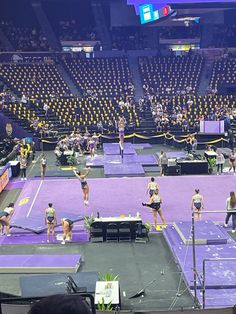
<point x="61" y="69"/>
<point x="136" y="79"/>
<point x="205" y="77"/>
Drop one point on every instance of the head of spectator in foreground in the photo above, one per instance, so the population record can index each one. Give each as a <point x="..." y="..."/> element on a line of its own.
<point x="61" y="304"/>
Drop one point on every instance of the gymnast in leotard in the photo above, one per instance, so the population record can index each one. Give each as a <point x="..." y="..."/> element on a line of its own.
<point x="152" y="187"/>
<point x="67" y="226"/>
<point x="5" y="217"/>
<point x="197" y="203"/>
<point x="155" y="204"/>
<point x="121" y="129"/>
<point x="84" y="185"/>
<point x="91" y="147"/>
<point x="50" y="220"/>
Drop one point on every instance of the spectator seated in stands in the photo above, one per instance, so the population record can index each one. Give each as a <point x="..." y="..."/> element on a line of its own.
<point x="25" y="38"/>
<point x="171" y="75"/>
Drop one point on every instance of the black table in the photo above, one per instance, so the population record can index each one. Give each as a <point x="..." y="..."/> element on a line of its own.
<point x="193" y="166"/>
<point x="105" y="221"/>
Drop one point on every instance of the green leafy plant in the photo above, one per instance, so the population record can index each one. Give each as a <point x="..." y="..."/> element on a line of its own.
<point x="88" y="220"/>
<point x="211" y="163"/>
<point x="71" y="160"/>
<point x="108" y="277"/>
<point x="104" y="307"/>
<point x="148" y="226"/>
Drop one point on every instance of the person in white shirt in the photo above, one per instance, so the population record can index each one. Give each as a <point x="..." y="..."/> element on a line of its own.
<point x="230" y="206"/>
<point x="220" y="160"/>
<point x="43" y="166"/>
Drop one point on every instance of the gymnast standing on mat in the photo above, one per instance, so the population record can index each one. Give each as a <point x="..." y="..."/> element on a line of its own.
<point x="50" y="221"/>
<point x="91" y="147"/>
<point x="84" y="185"/>
<point x="67" y="226"/>
<point x="155" y="204"/>
<point x="197" y="203"/>
<point x="5" y="217"/>
<point x="43" y="166"/>
<point x="121" y="129"/>
<point x="152" y="187"/>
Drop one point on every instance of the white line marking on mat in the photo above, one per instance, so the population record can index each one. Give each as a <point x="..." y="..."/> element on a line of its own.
<point x="35" y="198"/>
<point x="124" y="294"/>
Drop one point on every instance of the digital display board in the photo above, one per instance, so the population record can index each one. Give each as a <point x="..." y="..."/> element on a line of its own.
<point x="149" y="14"/>
<point x="162" y="2"/>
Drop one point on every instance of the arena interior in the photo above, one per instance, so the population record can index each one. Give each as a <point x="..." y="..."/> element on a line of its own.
<point x="117" y="160"/>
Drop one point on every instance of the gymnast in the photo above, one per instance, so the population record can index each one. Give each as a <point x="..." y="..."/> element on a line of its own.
<point x="84" y="185"/>
<point x="50" y="221"/>
<point x="43" y="166"/>
<point x="5" y="217"/>
<point x="155" y="204"/>
<point x="197" y="203"/>
<point x="121" y="129"/>
<point x="91" y="147"/>
<point x="67" y="226"/>
<point x="152" y="187"/>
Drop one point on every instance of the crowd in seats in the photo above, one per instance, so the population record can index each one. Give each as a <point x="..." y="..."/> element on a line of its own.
<point x="95" y="114"/>
<point x="183" y="113"/>
<point x="107" y="77"/>
<point x="224" y="36"/>
<point x="176" y="32"/>
<point x="25" y="38"/>
<point x="127" y="38"/>
<point x="71" y="30"/>
<point x="224" y="72"/>
<point x="35" y="81"/>
<point x="171" y="75"/>
<point x="71" y="22"/>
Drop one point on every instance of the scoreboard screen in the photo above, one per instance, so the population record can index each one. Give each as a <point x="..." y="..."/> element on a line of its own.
<point x="162" y="2"/>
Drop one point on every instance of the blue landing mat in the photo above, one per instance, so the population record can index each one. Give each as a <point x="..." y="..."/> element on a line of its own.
<point x="121" y="170"/>
<point x="218" y="273"/>
<point x="114" y="149"/>
<point x="101" y="160"/>
<point x="206" y="232"/>
<point x="216" y="298"/>
<point x="36" y="224"/>
<point x="142" y="145"/>
<point x="174" y="154"/>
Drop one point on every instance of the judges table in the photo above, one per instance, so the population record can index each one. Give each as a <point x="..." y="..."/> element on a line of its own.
<point x="105" y="221"/>
<point x="193" y="166"/>
<point x="107" y="292"/>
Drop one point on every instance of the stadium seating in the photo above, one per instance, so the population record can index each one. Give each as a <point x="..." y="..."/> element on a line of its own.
<point x="88" y="112"/>
<point x="171" y="75"/>
<point x="107" y="77"/>
<point x="195" y="108"/>
<point x="178" y="32"/>
<point x="127" y="38"/>
<point x="34" y="80"/>
<point x="224" y="72"/>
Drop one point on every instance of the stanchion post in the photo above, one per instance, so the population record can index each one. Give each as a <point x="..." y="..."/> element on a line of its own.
<point x="194" y="261"/>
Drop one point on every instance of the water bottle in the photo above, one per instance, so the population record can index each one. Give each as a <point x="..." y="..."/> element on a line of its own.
<point x="98" y="215"/>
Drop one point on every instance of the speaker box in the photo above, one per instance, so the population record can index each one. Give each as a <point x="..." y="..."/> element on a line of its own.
<point x="173" y="171"/>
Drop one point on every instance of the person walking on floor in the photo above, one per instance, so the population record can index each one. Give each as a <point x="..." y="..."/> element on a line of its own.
<point x="230" y="206"/>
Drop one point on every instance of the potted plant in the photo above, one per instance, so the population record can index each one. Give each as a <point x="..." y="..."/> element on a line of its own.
<point x="108" y="277"/>
<point x="104" y="307"/>
<point x="211" y="164"/>
<point x="71" y="160"/>
<point x="88" y="220"/>
<point x="148" y="227"/>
